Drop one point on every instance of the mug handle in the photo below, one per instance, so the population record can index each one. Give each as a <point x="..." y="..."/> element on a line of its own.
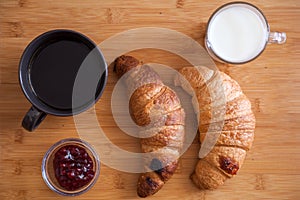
<point x="33" y="118"/>
<point x="277" y="37"/>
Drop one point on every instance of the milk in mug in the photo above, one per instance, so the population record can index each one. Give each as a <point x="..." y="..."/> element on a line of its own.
<point x="238" y="32"/>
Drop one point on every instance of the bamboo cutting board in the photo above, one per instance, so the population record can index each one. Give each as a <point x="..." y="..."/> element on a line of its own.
<point x="271" y="169"/>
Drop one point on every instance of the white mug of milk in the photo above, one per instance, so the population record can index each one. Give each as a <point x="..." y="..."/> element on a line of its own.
<point x="238" y="32"/>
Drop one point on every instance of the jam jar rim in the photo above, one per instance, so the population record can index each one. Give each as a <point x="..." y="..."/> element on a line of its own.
<point x="59" y="144"/>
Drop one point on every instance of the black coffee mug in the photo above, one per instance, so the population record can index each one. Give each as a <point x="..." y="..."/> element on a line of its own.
<point x="62" y="73"/>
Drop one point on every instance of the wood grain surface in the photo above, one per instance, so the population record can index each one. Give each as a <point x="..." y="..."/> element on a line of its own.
<point x="272" y="167"/>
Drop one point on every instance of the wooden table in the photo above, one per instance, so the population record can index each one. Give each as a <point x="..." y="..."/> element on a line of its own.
<point x="271" y="82"/>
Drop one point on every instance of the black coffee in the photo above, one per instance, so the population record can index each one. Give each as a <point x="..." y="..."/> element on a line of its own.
<point x="53" y="72"/>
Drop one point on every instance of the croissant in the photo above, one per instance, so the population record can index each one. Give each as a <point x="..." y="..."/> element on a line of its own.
<point x="157" y="110"/>
<point x="226" y="124"/>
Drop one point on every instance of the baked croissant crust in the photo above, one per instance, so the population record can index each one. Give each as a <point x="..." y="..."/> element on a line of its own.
<point x="226" y="124"/>
<point x="157" y="110"/>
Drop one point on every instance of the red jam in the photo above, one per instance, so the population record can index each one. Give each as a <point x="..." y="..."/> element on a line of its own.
<point x="229" y="165"/>
<point x="73" y="167"/>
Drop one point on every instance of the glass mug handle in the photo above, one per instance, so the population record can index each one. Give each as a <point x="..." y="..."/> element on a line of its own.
<point x="277" y="38"/>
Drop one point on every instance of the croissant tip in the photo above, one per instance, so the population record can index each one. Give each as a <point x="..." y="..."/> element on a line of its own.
<point x="124" y="63"/>
<point x="141" y="195"/>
